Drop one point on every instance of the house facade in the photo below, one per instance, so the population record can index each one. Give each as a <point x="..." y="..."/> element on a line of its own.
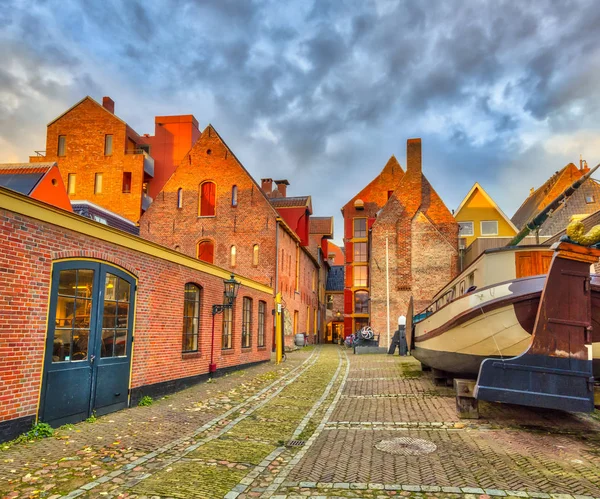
<point x="213" y="210"/>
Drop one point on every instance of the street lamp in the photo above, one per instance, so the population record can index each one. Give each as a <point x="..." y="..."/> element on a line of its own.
<point x="229" y="294"/>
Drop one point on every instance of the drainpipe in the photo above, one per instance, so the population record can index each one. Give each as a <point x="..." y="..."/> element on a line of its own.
<point x="387" y="288"/>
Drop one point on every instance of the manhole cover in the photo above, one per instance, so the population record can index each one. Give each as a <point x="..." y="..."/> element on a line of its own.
<point x="295" y="443"/>
<point x="406" y="446"/>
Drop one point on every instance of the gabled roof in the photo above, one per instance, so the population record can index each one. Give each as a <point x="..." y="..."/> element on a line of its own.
<point x="321" y="225"/>
<point x="546" y="193"/>
<point x="477" y="187"/>
<point x="335" y="278"/>
<point x="294" y="202"/>
<point x="87" y="97"/>
<point x="23" y="177"/>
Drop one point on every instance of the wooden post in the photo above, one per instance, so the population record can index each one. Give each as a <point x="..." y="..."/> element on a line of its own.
<point x="466" y="403"/>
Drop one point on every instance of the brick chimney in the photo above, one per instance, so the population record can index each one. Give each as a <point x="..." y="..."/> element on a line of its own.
<point x="266" y="184"/>
<point x="108" y="104"/>
<point x="282" y="187"/>
<point x="413" y="155"/>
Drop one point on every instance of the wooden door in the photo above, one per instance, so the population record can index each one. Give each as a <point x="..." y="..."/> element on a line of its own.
<point x="529" y="263"/>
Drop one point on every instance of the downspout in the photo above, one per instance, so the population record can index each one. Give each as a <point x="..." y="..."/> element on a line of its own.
<point x="387" y="288"/>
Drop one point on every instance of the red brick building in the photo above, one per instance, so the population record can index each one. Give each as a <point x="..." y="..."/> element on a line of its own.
<point x="212" y="209"/>
<point x="401" y="237"/>
<point x="75" y="291"/>
<point x="104" y="161"/>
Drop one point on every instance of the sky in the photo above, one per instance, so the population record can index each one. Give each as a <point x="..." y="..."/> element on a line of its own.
<point x="322" y="93"/>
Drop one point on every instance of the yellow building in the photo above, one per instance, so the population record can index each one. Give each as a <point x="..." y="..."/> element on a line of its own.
<point x="478" y="216"/>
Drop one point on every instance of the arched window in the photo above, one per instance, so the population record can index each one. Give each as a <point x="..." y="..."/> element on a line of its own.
<point x="206" y="251"/>
<point x="246" y="322"/>
<point x="255" y="255"/>
<point x="233" y="256"/>
<point x="191" y="318"/>
<point x="180" y="198"/>
<point x="234" y="199"/>
<point x="207" y="199"/>
<point x="361" y="302"/>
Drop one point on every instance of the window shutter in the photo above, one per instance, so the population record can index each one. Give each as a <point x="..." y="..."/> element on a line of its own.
<point x="348" y="306"/>
<point x="349" y="248"/>
<point x="349" y="228"/>
<point x="207" y="208"/>
<point x="348" y="271"/>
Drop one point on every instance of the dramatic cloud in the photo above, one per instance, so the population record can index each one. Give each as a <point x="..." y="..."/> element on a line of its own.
<point x="322" y="93"/>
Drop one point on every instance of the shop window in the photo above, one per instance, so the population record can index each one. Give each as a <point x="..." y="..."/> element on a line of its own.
<point x="361" y="274"/>
<point x="360" y="227"/>
<point x="108" y="145"/>
<point x="207" y="199"/>
<point x="62" y="145"/>
<point x="246" y="322"/>
<point x="191" y="318"/>
<point x="226" y="340"/>
<point x="98" y="183"/>
<point x="360" y="252"/>
<point x="126" y="182"/>
<point x="206" y="251"/>
<point x="261" y="323"/>
<point x="234" y="196"/>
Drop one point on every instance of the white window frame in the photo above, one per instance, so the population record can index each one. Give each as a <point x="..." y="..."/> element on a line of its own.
<point x="488" y="221"/>
<point x="464" y="234"/>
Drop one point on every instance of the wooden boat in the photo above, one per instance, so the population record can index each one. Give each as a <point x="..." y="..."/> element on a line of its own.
<point x="494" y="309"/>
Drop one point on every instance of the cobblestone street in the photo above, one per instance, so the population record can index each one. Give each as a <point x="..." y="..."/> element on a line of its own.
<point x="326" y="423"/>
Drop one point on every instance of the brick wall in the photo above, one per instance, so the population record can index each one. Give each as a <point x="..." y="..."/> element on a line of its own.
<point x="85" y="127"/>
<point x="27" y="249"/>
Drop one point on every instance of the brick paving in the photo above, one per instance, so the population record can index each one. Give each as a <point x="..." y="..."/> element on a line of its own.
<point x="215" y="440"/>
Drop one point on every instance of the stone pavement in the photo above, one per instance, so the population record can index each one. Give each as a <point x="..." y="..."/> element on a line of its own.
<point x="325" y="424"/>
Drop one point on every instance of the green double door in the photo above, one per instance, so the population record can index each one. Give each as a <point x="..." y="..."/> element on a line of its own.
<point x="89" y="342"/>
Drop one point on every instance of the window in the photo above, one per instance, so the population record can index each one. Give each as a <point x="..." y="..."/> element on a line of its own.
<point x="233" y="256"/>
<point x="307" y="320"/>
<point x="589" y="198"/>
<point x="191" y="318"/>
<point x="116" y="316"/>
<point x="360" y="275"/>
<point x="207" y="199"/>
<point x="246" y="322"/>
<point x="206" y="251"/>
<point x="295" y="322"/>
<point x="465" y="228"/>
<point x="255" y="255"/>
<point x="261" y="323"/>
<point x="180" y="198"/>
<point x="98" y="183"/>
<point x="361" y="302"/>
<point x="390" y="194"/>
<point x="330" y="302"/>
<point x="360" y="227"/>
<point x="489" y="228"/>
<point x="360" y="252"/>
<point x="99" y="219"/>
<point x="71" y="183"/>
<point x="226" y="341"/>
<point x="108" y="145"/>
<point x="234" y="196"/>
<point x="126" y="182"/>
<point x="62" y="145"/>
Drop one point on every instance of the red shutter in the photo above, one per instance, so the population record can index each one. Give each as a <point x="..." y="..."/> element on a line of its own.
<point x="348" y="276"/>
<point x="349" y="228"/>
<point x="349" y="248"/>
<point x="347" y="326"/>
<point x="207" y="208"/>
<point x="348" y="309"/>
<point x="206" y="251"/>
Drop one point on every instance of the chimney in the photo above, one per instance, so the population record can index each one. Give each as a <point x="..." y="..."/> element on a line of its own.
<point x="108" y="104"/>
<point x="266" y="185"/>
<point x="282" y="186"/>
<point x="413" y="155"/>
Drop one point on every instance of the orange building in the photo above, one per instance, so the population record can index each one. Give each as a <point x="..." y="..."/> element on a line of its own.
<point x="41" y="181"/>
<point x="104" y="161"/>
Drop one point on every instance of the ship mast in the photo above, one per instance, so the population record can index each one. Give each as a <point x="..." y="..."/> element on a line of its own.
<point x="537" y="221"/>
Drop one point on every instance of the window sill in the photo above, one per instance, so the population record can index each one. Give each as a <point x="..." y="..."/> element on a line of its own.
<point x="227" y="351"/>
<point x="190" y="355"/>
<point x="207" y="216"/>
<point x="261" y="349"/>
<point x="247" y="349"/>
